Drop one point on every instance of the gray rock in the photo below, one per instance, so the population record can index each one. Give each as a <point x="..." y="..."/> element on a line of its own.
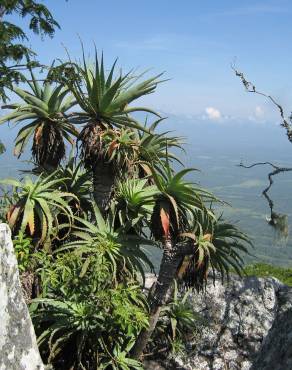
<point x="18" y="347"/>
<point x="249" y="326"/>
<point x="276" y="351"/>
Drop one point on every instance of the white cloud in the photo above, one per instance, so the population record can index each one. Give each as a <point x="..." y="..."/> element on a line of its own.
<point x="259" y="112"/>
<point x="213" y="113"/>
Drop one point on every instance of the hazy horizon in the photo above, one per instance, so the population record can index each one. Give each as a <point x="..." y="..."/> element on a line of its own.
<point x="216" y="150"/>
<point x="195" y="43"/>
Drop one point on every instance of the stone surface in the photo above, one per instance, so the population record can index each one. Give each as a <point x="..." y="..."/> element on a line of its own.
<point x="249" y="326"/>
<point x="18" y="347"/>
<point x="276" y="352"/>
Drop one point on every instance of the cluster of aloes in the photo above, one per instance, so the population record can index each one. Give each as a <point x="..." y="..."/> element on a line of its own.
<point x="90" y="221"/>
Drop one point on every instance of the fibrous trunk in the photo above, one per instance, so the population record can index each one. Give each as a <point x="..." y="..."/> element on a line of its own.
<point x="48" y="146"/>
<point x="93" y="155"/>
<point x="157" y="299"/>
<point x="103" y="183"/>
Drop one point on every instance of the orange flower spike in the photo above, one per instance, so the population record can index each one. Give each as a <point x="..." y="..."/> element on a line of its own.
<point x="164" y="216"/>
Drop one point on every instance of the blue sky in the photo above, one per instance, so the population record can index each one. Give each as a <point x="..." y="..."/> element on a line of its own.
<point x="194" y="42"/>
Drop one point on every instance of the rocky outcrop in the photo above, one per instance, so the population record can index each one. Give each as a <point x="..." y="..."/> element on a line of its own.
<point x="248" y="326"/>
<point x="276" y="351"/>
<point x="18" y="347"/>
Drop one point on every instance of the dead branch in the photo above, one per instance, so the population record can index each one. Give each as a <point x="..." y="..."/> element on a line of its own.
<point x="276" y="171"/>
<point x="276" y="219"/>
<point x="250" y="87"/>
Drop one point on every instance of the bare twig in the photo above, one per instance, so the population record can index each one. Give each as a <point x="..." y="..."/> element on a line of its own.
<point x="275" y="218"/>
<point x="276" y="171"/>
<point x="250" y="87"/>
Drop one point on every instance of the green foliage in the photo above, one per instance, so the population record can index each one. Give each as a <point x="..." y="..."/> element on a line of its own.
<point x="266" y="270"/>
<point x="123" y="252"/>
<point x="177" y="203"/>
<point x="182" y="318"/>
<point x="24" y="249"/>
<point x="231" y="244"/>
<point x="178" y="323"/>
<point x="134" y="203"/>
<point x="219" y="246"/>
<point x="12" y="38"/>
<point x="120" y="359"/>
<point x="154" y="148"/>
<point x="43" y="112"/>
<point x="88" y="319"/>
<point x="2" y="147"/>
<point x="77" y="181"/>
<point x="104" y="99"/>
<point x="88" y="263"/>
<point x="105" y="96"/>
<point x="36" y="206"/>
<point x="120" y="148"/>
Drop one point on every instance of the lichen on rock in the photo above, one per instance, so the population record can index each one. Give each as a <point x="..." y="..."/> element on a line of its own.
<point x="249" y="327"/>
<point x="18" y="347"/>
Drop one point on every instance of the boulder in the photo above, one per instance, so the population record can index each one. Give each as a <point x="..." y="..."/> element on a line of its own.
<point x="18" y="347"/>
<point x="248" y="326"/>
<point x="276" y="351"/>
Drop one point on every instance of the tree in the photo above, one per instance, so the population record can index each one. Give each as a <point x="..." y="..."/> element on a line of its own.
<point x="12" y="49"/>
<point x="108" y="141"/>
<point x="193" y="240"/>
<point x="277" y="220"/>
<point x="44" y="107"/>
<point x="91" y="276"/>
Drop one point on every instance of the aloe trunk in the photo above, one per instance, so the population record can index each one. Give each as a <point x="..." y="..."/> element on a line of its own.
<point x="158" y="297"/>
<point x="103" y="183"/>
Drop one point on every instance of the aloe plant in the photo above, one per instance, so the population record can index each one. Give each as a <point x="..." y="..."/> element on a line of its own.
<point x="36" y="206"/>
<point x="134" y="201"/>
<point x="92" y="313"/>
<point x="155" y="149"/>
<point x="192" y="240"/>
<point x="104" y="100"/>
<point x="124" y="252"/>
<point x="75" y="180"/>
<point x="42" y="111"/>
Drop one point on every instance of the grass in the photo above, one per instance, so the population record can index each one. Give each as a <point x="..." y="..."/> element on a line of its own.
<point x="265" y="270"/>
